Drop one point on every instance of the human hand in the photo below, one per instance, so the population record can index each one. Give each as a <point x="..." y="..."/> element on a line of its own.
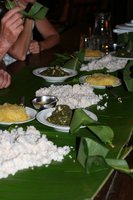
<point x="5" y="79"/>
<point x="11" y="26"/>
<point x="34" y="47"/>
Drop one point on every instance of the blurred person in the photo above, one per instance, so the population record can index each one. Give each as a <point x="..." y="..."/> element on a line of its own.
<point x="11" y="26"/>
<point x="25" y="43"/>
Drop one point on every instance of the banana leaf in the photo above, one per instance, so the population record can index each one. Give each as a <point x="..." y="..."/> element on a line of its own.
<point x="127" y="76"/>
<point x="36" y="12"/>
<point x="126" y="39"/>
<point x="66" y="180"/>
<point x="94" y="157"/>
<point x="103" y="132"/>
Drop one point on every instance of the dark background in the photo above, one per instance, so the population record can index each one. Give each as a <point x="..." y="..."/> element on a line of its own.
<point x="84" y="10"/>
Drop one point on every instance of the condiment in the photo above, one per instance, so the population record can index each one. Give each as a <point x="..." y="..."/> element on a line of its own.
<point x="62" y="115"/>
<point x="56" y="71"/>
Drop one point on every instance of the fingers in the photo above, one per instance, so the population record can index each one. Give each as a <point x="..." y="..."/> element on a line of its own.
<point x="11" y="13"/>
<point x="12" y="18"/>
<point x="11" y="26"/>
<point x="5" y="79"/>
<point x="34" y="47"/>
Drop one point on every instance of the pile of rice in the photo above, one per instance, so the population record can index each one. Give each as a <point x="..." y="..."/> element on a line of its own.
<point x="76" y="96"/>
<point x="109" y="62"/>
<point x="21" y="149"/>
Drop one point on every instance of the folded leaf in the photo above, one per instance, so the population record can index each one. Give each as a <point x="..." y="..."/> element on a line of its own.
<point x="127" y="76"/>
<point x="79" y="118"/>
<point x="80" y="55"/>
<point x="60" y="59"/>
<point x="123" y="38"/>
<point x="93" y="157"/>
<point x="126" y="39"/>
<point x="91" y="154"/>
<point x="73" y="63"/>
<point x="96" y="164"/>
<point x="37" y="11"/>
<point x="104" y="133"/>
<point x="119" y="164"/>
<point x="10" y="4"/>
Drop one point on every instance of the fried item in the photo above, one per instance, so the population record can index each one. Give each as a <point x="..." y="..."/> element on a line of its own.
<point x="92" y="53"/>
<point x="12" y="113"/>
<point x="100" y="79"/>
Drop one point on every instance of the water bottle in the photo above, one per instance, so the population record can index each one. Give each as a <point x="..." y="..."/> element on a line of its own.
<point x="102" y="32"/>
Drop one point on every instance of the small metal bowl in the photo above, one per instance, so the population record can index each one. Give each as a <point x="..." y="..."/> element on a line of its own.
<point x="44" y="102"/>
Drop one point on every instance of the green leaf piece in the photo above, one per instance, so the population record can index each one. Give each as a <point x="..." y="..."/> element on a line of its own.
<point x="10" y="4"/>
<point x="119" y="164"/>
<point x="73" y="63"/>
<point x="80" y="55"/>
<point x="60" y="59"/>
<point x="127" y="76"/>
<point x="96" y="164"/>
<point x="79" y="118"/>
<point x="37" y="11"/>
<point x="126" y="39"/>
<point x="90" y="155"/>
<point x="104" y="133"/>
<point x="93" y="157"/>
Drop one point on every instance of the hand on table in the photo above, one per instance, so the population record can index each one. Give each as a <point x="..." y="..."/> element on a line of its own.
<point x="34" y="47"/>
<point x="5" y="79"/>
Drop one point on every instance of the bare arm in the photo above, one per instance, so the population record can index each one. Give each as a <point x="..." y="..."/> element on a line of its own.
<point x="50" y="35"/>
<point x="22" y="42"/>
<point x="10" y="28"/>
<point x="5" y="79"/>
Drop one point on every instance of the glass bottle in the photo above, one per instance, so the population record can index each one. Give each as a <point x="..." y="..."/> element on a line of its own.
<point x="102" y="32"/>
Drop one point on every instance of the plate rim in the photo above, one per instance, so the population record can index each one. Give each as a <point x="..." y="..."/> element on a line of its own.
<point x="53" y="79"/>
<point x="55" y="126"/>
<point x="22" y="122"/>
<point x="124" y="27"/>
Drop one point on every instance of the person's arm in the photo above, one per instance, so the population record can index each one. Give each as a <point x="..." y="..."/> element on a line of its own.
<point x="5" y="79"/>
<point x="50" y="35"/>
<point x="21" y="46"/>
<point x="10" y="27"/>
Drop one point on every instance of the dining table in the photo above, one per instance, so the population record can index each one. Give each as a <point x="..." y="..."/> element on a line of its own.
<point x="68" y="179"/>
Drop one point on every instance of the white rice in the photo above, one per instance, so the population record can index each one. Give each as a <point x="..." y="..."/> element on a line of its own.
<point x="21" y="149"/>
<point x="76" y="96"/>
<point x="109" y="62"/>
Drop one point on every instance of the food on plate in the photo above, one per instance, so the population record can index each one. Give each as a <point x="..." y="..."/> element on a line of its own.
<point x="55" y="71"/>
<point x="124" y="53"/>
<point x="100" y="79"/>
<point x="12" y="113"/>
<point x="92" y="53"/>
<point x="62" y="115"/>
